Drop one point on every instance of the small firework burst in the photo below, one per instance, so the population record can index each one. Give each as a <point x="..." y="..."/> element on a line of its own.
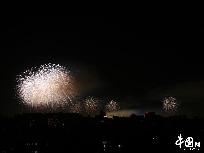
<point x="112" y="106"/>
<point x="170" y="104"/>
<point x="49" y="86"/>
<point x="75" y="107"/>
<point x="91" y="105"/>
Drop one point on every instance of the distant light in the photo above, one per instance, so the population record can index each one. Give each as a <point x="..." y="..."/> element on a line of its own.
<point x="104" y="142"/>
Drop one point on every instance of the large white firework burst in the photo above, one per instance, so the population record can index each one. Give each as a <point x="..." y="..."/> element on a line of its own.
<point x="112" y="106"/>
<point x="170" y="104"/>
<point x="49" y="85"/>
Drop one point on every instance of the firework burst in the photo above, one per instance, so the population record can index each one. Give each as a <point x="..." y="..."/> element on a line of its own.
<point x="170" y="104"/>
<point x="49" y="85"/>
<point x="112" y="106"/>
<point x="91" y="106"/>
<point x="75" y="107"/>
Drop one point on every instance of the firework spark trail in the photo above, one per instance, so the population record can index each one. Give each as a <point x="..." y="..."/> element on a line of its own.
<point x="170" y="104"/>
<point x="112" y="106"/>
<point x="49" y="85"/>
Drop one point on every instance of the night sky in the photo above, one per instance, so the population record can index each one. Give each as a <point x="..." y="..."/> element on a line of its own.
<point x="135" y="59"/>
